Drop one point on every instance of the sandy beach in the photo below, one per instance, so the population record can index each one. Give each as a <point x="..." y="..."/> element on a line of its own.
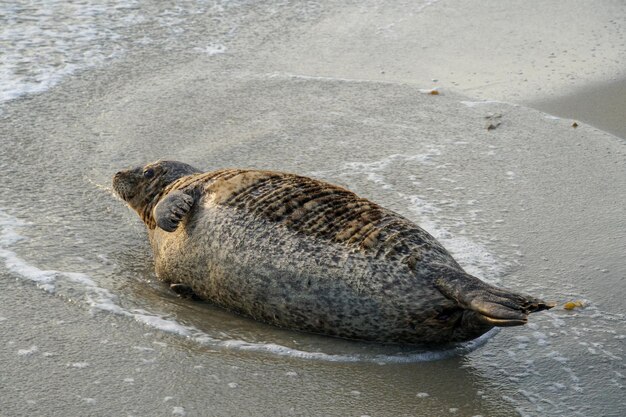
<point x="491" y="165"/>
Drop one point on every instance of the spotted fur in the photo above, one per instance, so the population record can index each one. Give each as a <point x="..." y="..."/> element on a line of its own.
<point x="301" y="253"/>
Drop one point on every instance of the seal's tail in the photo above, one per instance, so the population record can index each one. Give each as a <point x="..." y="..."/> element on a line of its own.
<point x="496" y="306"/>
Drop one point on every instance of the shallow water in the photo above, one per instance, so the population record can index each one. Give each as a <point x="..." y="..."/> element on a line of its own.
<point x="88" y="330"/>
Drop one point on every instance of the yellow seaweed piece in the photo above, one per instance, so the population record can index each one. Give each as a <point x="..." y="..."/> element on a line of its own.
<point x="570" y="305"/>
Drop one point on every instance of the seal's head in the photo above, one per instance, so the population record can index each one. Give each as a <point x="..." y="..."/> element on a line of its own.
<point x="141" y="187"/>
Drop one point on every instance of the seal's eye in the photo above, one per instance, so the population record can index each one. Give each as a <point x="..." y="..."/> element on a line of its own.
<point x="148" y="173"/>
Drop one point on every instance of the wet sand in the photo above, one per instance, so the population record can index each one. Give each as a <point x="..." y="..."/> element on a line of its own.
<point x="528" y="213"/>
<point x="514" y="52"/>
<point x="534" y="205"/>
<point x="600" y="105"/>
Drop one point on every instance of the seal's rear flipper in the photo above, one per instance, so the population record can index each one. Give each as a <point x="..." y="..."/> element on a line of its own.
<point x="496" y="306"/>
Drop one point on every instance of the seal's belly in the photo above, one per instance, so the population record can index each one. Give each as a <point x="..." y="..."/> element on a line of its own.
<point x="273" y="274"/>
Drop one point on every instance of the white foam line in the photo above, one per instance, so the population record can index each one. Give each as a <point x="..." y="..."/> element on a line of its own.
<point x="289" y="75"/>
<point x="101" y="299"/>
<point x="481" y="103"/>
<point x="403" y="357"/>
<point x="472" y="256"/>
<point x="323" y="78"/>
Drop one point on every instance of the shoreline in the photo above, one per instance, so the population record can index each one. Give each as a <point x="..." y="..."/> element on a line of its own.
<point x="601" y="105"/>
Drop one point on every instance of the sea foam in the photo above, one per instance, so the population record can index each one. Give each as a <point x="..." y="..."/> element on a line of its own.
<point x="45" y="41"/>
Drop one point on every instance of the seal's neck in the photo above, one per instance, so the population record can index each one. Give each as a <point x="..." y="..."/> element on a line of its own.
<point x="145" y="211"/>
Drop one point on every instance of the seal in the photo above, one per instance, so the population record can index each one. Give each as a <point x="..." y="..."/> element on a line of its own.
<point x="307" y="255"/>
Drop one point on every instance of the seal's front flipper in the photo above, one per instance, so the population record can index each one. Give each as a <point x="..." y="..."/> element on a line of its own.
<point x="185" y="291"/>
<point x="172" y="209"/>
<point x="496" y="306"/>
